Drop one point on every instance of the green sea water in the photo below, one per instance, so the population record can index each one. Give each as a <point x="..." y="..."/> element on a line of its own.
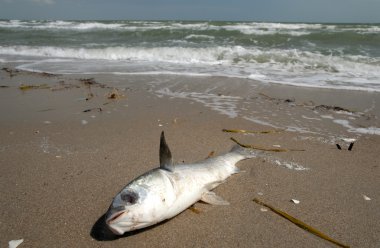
<point x="305" y="54"/>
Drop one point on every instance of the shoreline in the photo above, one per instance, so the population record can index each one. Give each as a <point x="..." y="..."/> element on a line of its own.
<point x="62" y="164"/>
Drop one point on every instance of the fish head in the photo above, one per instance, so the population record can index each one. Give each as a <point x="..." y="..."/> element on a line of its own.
<point x="134" y="208"/>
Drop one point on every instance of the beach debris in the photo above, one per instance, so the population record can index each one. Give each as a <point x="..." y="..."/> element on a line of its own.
<point x="25" y="87"/>
<point x="351" y="141"/>
<point x="4" y="86"/>
<point x="62" y="85"/>
<point x="260" y="193"/>
<point x="90" y="95"/>
<point x="350" y="146"/>
<point x="348" y="140"/>
<point x="115" y="94"/>
<point x="92" y="109"/>
<point x="265" y="149"/>
<point x="88" y="81"/>
<point x="295" y="201"/>
<point x="211" y="154"/>
<point x="290" y="100"/>
<point x="300" y="223"/>
<point x="10" y="72"/>
<point x="47" y="122"/>
<point x="278" y="100"/>
<point x="15" y="243"/>
<point x="247" y="131"/>
<point x="195" y="210"/>
<point x="263" y="209"/>
<point x="333" y="108"/>
<point x="84" y="122"/>
<point x="366" y="198"/>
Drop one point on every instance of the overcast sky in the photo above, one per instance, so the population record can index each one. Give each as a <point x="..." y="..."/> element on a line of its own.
<point x="247" y="10"/>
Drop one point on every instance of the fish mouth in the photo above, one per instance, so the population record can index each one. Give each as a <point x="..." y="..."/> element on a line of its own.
<point x="112" y="222"/>
<point x="113" y="217"/>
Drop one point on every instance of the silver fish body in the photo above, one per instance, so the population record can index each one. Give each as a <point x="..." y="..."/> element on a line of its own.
<point x="164" y="192"/>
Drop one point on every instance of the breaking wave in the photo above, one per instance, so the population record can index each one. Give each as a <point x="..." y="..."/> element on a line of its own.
<point x="257" y="28"/>
<point x="291" y="66"/>
<point x="304" y="54"/>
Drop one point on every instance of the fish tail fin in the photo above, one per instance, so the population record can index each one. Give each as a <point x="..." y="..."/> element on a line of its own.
<point x="246" y="153"/>
<point x="236" y="154"/>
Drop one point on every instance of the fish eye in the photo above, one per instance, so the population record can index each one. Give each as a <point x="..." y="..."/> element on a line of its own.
<point x="129" y="197"/>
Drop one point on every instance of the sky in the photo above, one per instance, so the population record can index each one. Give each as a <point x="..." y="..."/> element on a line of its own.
<point x="351" y="11"/>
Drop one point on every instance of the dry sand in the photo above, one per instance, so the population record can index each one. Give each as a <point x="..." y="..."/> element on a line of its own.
<point x="61" y="167"/>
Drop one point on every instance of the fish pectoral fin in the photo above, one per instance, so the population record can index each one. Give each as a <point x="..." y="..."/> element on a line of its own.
<point x="213" y="199"/>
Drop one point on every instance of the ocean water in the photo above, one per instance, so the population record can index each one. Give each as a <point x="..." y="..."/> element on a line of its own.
<point x="342" y="56"/>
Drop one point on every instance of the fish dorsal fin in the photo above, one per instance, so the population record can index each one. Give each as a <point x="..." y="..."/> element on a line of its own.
<point x="166" y="160"/>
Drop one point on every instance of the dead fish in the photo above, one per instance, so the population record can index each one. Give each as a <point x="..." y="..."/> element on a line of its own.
<point x="164" y="192"/>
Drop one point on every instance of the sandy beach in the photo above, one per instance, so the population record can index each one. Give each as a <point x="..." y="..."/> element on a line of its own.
<point x="68" y="144"/>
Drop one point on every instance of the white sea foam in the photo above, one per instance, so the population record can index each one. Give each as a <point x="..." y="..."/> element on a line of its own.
<point x="310" y="118"/>
<point x="361" y="130"/>
<point x="255" y="28"/>
<point x="272" y="28"/>
<point x="327" y="116"/>
<point x="209" y="61"/>
<point x="226" y="105"/>
<point x="287" y="164"/>
<point x="59" y="25"/>
<point x="158" y="54"/>
<point x="261" y="122"/>
<point x="199" y="36"/>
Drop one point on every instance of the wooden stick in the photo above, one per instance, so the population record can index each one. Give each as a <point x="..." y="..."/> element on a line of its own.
<point x="247" y="131"/>
<point x="301" y="224"/>
<point x="263" y="148"/>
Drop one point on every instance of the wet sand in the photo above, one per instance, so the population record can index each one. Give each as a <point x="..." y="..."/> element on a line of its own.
<point x="63" y="158"/>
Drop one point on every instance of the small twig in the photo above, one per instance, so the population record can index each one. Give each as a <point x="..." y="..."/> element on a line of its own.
<point x="300" y="223"/>
<point x="247" y="131"/>
<point x="91" y="109"/>
<point x="263" y="148"/>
